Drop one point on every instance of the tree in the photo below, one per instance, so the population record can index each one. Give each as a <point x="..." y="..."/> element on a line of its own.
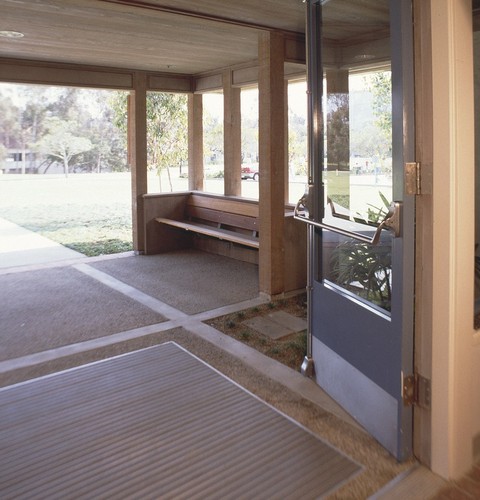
<point x="9" y="126"/>
<point x="338" y="131"/>
<point x="380" y="85"/>
<point x="108" y="142"/>
<point x="3" y="153"/>
<point x="212" y="135"/>
<point x="62" y="144"/>
<point x="167" y="128"/>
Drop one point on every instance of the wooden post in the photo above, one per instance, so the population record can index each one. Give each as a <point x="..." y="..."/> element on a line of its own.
<point x="137" y="155"/>
<point x="232" y="137"/>
<point x="287" y="165"/>
<point x="195" y="142"/>
<point x="272" y="163"/>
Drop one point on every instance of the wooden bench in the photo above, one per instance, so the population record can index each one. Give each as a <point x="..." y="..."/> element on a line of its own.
<point x="221" y="218"/>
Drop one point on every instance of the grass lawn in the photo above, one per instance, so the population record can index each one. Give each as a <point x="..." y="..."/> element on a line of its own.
<point x="89" y="213"/>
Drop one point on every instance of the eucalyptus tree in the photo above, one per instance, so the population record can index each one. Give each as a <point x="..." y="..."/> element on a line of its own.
<point x="167" y="129"/>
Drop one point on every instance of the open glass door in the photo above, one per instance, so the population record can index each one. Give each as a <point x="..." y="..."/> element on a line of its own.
<point x="361" y="224"/>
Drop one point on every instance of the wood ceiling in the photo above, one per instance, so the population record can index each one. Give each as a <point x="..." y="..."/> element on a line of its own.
<point x="172" y="36"/>
<point x="181" y="36"/>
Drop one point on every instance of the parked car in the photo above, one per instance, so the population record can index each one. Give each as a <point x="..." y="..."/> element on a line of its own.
<point x="250" y="172"/>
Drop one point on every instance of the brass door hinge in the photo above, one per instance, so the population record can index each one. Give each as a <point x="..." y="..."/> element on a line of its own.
<point x="416" y="390"/>
<point x="413" y="178"/>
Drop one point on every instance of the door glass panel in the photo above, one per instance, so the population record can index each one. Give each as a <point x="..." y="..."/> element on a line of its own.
<point x="357" y="159"/>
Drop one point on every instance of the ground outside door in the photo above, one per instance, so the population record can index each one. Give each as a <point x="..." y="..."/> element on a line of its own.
<point x="361" y="222"/>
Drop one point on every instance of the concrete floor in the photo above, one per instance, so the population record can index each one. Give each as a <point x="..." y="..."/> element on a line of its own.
<point x="50" y="323"/>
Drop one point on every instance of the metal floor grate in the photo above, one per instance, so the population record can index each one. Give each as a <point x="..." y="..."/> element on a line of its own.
<point x="155" y="423"/>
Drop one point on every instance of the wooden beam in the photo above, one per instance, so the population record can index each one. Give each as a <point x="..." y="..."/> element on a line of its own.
<point x="76" y="75"/>
<point x="295" y="50"/>
<point x="169" y="83"/>
<point x="272" y="160"/>
<point x="44" y="73"/>
<point x="232" y="137"/>
<point x="195" y="142"/>
<point x="137" y="154"/>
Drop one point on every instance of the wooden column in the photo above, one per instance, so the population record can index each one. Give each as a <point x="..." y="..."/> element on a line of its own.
<point x="195" y="142"/>
<point x="137" y="155"/>
<point x="232" y="137"/>
<point x="287" y="137"/>
<point x="272" y="163"/>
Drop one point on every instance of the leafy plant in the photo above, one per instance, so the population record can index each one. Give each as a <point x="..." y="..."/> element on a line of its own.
<point x="375" y="215"/>
<point x="363" y="268"/>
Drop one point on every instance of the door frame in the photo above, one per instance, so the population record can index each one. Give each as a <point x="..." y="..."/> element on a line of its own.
<point x="445" y="340"/>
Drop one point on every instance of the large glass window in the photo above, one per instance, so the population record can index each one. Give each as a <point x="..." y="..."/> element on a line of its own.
<point x="63" y="165"/>
<point x="250" y="164"/>
<point x="167" y="146"/>
<point x="213" y="163"/>
<point x="297" y="140"/>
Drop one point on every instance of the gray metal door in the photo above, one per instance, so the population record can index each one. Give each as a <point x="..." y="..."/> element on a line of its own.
<point x="361" y="222"/>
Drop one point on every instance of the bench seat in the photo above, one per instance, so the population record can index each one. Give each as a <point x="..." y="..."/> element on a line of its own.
<point x="215" y="232"/>
<point x="224" y="219"/>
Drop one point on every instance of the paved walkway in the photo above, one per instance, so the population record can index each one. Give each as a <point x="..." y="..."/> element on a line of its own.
<point x="21" y="247"/>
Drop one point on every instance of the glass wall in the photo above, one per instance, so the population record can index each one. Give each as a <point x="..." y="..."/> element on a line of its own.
<point x="297" y="140"/>
<point x="250" y="165"/>
<point x="213" y="163"/>
<point x="167" y="142"/>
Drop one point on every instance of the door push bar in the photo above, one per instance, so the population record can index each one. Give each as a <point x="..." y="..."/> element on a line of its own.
<point x="391" y="221"/>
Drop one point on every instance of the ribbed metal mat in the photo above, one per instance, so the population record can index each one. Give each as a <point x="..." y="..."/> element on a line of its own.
<point x="155" y="423"/>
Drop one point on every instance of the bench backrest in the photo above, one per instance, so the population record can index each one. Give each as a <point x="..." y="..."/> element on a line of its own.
<point x="223" y="211"/>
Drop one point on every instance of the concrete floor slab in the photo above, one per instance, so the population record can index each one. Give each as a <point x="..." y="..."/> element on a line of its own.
<point x="189" y="280"/>
<point x="267" y="327"/>
<point x="277" y="325"/>
<point x="289" y="321"/>
<point x="21" y="247"/>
